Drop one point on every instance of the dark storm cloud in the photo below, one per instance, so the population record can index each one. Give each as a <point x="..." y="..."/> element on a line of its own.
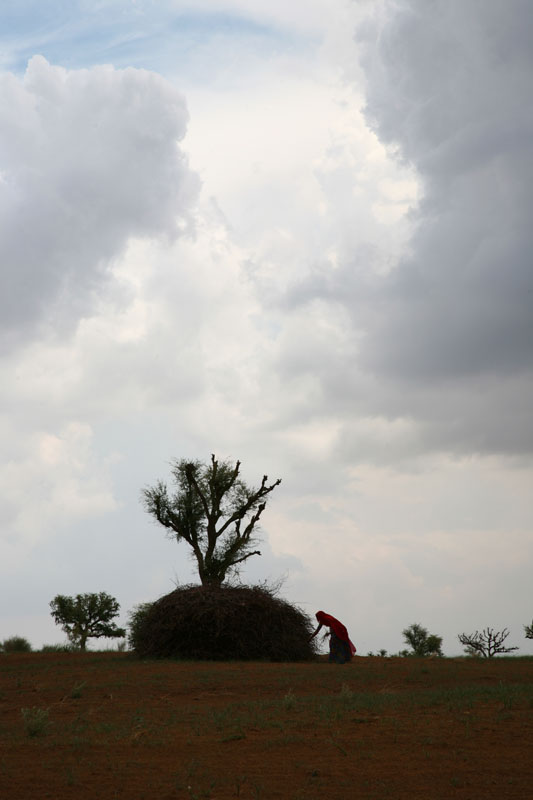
<point x="449" y="86"/>
<point x="88" y="159"/>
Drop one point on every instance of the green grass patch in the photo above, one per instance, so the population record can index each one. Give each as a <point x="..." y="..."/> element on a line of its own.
<point x="36" y="720"/>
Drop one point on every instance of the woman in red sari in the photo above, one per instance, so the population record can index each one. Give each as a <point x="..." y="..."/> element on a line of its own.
<point x="341" y="649"/>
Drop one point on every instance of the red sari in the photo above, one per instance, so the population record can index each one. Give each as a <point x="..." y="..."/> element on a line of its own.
<point x="337" y="629"/>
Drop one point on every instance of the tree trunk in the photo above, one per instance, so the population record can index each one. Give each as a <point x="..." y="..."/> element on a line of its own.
<point x="210" y="580"/>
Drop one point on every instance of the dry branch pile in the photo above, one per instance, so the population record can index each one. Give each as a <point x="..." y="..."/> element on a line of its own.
<point x="222" y="623"/>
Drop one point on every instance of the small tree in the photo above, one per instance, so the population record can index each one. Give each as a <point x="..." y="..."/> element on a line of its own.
<point x="487" y="643"/>
<point x="529" y="631"/>
<point x="421" y="642"/>
<point x="212" y="510"/>
<point x="86" y="616"/>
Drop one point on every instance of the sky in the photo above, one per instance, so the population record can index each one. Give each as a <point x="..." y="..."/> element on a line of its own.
<point x="294" y="234"/>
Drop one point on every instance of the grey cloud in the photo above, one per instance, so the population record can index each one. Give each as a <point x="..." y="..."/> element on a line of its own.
<point x="88" y="159"/>
<point x="444" y="340"/>
<point x="446" y="79"/>
<point x="449" y="86"/>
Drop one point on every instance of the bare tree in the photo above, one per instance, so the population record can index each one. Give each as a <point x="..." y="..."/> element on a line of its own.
<point x="212" y="510"/>
<point x="487" y="643"/>
<point x="529" y="631"/>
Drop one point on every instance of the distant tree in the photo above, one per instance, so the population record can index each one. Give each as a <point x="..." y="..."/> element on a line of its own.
<point x="421" y="642"/>
<point x="86" y="616"/>
<point x="487" y="643"/>
<point x="212" y="510"/>
<point x="15" y="644"/>
<point x="529" y="631"/>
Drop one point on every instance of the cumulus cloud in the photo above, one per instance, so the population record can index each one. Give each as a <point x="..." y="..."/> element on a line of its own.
<point x="89" y="158"/>
<point x="448" y="86"/>
<point x="444" y="332"/>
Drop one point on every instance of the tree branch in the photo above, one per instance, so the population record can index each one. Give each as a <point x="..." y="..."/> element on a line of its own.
<point x="191" y="478"/>
<point x="244" y="557"/>
<point x="241" y="512"/>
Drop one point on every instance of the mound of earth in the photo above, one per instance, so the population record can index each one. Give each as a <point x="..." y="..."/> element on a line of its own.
<point x="222" y="623"/>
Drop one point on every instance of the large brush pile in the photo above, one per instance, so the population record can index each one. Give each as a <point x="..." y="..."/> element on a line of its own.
<point x="222" y="623"/>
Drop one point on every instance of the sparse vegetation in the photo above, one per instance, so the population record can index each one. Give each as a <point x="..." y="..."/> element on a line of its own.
<point x="112" y="725"/>
<point x="36" y="720"/>
<point x="57" y="648"/>
<point x="486" y="643"/>
<point x="77" y="690"/>
<point x="529" y="631"/>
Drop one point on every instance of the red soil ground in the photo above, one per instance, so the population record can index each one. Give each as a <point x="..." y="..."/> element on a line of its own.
<point x="104" y="726"/>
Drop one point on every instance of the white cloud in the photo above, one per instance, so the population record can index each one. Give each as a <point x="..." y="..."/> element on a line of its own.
<point x="89" y="159"/>
<point x="52" y="480"/>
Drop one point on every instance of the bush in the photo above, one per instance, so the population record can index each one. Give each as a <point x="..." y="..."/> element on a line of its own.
<point x="15" y="644"/>
<point x="58" y="648"/>
<point x="221" y="623"/>
<point x="136" y="619"/>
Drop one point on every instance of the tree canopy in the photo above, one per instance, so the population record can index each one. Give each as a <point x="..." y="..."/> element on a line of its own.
<point x="422" y="642"/>
<point x="213" y="511"/>
<point x="86" y="616"/>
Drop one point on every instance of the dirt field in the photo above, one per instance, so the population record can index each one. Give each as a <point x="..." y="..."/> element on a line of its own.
<point x="106" y="726"/>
